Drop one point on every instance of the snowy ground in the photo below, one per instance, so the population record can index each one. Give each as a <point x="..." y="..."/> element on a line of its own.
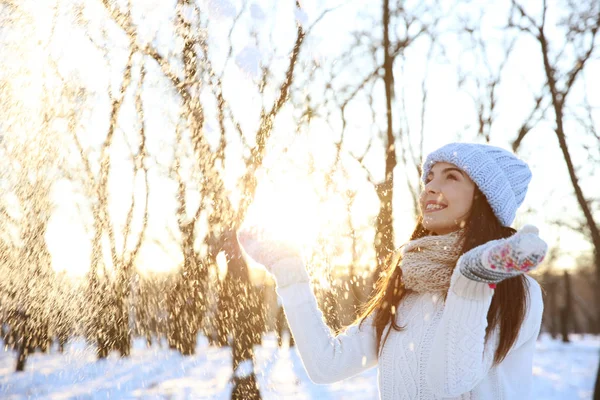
<point x="560" y="372"/>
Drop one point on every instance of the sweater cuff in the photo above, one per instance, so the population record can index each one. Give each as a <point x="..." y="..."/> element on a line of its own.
<point x="288" y="271"/>
<point x="295" y="294"/>
<point x="469" y="289"/>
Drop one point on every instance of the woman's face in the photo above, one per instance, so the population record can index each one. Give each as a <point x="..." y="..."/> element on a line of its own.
<point x="446" y="199"/>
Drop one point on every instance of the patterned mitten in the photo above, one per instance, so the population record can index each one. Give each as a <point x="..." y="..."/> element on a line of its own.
<point x="500" y="259"/>
<point x="282" y="259"/>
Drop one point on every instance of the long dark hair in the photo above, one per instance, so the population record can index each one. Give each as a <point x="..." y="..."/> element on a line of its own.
<point x="507" y="310"/>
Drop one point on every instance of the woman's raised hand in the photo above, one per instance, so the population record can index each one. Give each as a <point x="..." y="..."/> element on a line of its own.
<point x="281" y="258"/>
<point x="500" y="259"/>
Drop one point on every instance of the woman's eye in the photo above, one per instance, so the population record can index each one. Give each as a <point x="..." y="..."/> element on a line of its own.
<point x="451" y="177"/>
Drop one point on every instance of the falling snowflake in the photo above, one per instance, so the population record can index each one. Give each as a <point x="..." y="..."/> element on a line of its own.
<point x="301" y="16"/>
<point x="221" y="8"/>
<point x="256" y="12"/>
<point x="187" y="13"/>
<point x="248" y="60"/>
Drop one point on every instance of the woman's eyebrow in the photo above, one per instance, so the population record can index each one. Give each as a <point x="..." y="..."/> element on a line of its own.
<point x="453" y="169"/>
<point x="448" y="170"/>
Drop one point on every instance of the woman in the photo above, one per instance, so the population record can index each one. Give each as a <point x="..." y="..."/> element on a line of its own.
<point x="454" y="315"/>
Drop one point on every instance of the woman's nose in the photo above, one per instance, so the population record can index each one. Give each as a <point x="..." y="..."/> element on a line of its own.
<point x="431" y="187"/>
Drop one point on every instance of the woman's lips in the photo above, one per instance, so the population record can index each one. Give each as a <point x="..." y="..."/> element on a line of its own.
<point x="434" y="210"/>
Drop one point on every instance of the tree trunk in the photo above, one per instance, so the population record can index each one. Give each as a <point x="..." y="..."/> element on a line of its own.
<point x="564" y="324"/>
<point x="122" y="334"/>
<point x="100" y="318"/>
<point x="24" y="343"/>
<point x="553" y="306"/>
<point x="97" y="291"/>
<point x="597" y="308"/>
<point x="102" y="348"/>
<point x="257" y="315"/>
<point x="244" y="379"/>
<point x="22" y="355"/>
<point x="354" y="292"/>
<point x="187" y="304"/>
<point x="566" y="310"/>
<point x="384" y="235"/>
<point x="62" y="341"/>
<point x="384" y="230"/>
<point x="279" y="320"/>
<point x="597" y="259"/>
<point x="224" y="312"/>
<point x="183" y="319"/>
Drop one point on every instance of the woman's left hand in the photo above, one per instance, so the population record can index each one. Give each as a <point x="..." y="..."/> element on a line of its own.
<point x="500" y="259"/>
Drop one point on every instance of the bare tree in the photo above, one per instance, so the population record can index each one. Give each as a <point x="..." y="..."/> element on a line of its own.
<point x="225" y="218"/>
<point x="580" y="26"/>
<point x="109" y="297"/>
<point x="29" y="157"/>
<point x="187" y="298"/>
<point x="29" y="145"/>
<point x="396" y="142"/>
<point x="31" y="257"/>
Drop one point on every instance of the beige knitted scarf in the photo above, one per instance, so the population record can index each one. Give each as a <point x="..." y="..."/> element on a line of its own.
<point x="428" y="262"/>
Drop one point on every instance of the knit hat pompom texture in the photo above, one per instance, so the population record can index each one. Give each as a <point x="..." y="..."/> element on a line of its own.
<point x="498" y="173"/>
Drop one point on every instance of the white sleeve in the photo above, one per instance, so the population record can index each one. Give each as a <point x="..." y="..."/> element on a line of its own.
<point x="459" y="359"/>
<point x="326" y="358"/>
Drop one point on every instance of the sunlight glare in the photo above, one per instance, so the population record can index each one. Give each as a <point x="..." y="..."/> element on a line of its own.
<point x="288" y="212"/>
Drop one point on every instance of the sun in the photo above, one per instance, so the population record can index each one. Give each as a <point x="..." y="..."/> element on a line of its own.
<point x="289" y="212"/>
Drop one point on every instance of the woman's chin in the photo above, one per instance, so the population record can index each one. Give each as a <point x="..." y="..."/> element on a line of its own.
<point x="438" y="227"/>
<point x="430" y="226"/>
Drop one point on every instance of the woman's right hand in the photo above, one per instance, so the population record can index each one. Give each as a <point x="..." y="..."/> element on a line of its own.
<point x="282" y="259"/>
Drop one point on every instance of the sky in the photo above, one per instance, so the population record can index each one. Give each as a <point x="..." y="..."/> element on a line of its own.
<point x="287" y="195"/>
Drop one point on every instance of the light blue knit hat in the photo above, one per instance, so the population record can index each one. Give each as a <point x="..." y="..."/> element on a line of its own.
<point x="498" y="173"/>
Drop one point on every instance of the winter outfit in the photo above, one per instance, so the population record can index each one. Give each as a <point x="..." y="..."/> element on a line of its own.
<point x="442" y="352"/>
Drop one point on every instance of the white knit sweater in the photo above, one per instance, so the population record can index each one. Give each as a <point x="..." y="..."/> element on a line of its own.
<point x="440" y="354"/>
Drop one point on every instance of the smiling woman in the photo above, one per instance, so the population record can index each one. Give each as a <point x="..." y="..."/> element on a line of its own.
<point x="454" y="314"/>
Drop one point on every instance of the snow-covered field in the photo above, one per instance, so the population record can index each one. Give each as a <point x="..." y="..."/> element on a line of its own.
<point x="561" y="371"/>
